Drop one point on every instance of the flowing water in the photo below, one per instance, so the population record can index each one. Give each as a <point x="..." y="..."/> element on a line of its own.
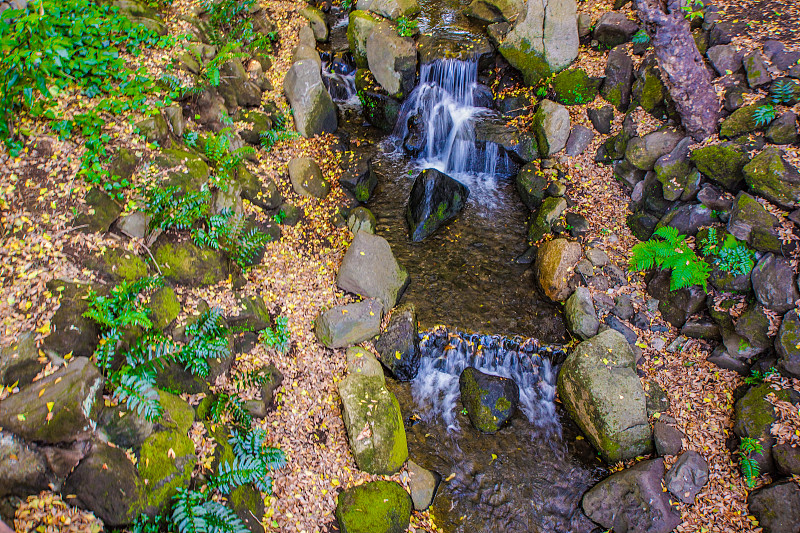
<point x="531" y="475"/>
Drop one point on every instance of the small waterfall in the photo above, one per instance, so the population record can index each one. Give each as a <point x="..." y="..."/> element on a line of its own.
<point x="445" y="355"/>
<point x="442" y="109"/>
<point x="340" y="80"/>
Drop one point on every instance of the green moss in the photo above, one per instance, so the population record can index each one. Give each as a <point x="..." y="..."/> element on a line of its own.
<point x="524" y="58"/>
<point x="502" y="404"/>
<point x="722" y="163"/>
<point x="162" y="473"/>
<point x="652" y="92"/>
<point x="574" y="87"/>
<point x="360" y="26"/>
<point x="186" y="263"/>
<point x="614" y="97"/>
<point x="164" y="307"/>
<point x="376" y="507"/>
<point x="362" y="192"/>
<point x="740" y="122"/>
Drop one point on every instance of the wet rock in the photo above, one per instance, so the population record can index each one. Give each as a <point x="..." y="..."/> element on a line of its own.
<point x="435" y="199"/>
<point x="604" y="396"/>
<point x="723" y="163"/>
<point x="687" y="476"/>
<point x="777" y="507"/>
<point x="554" y="262"/>
<point x="359" y="177"/>
<point x="361" y="219"/>
<point x="393" y="9"/>
<point x="106" y="483"/>
<point x="601" y="118"/>
<point x="423" y="484"/>
<point x="725" y="58"/>
<point x="359" y="28"/>
<point x="186" y="264"/>
<point x="360" y="361"/>
<point x="783" y="130"/>
<point x="632" y="500"/>
<point x="579" y="140"/>
<point x="756" y="68"/>
<point x="531" y="184"/>
<point x="618" y="84"/>
<point x="74" y="390"/>
<point x="541" y="222"/>
<point x="551" y="127"/>
<point x="370" y="270"/>
<point x="466" y="47"/>
<point x="771" y="176"/>
<point x="787" y="344"/>
<point x="613" y="29"/>
<point x="398" y="345"/>
<point x="392" y="59"/>
<point x="580" y="314"/>
<point x="313" y="109"/>
<point x="19" y="363"/>
<point x="490" y="400"/>
<point x="306" y="178"/>
<point x="316" y="20"/>
<point x="345" y="325"/>
<point x="643" y="152"/>
<point x="751" y="222"/>
<point x="374" y="507"/>
<point x="675" y="306"/>
<point x="668" y="439"/>
<point x="374" y="424"/>
<point x="543" y="40"/>
<point x="773" y="283"/>
<point x="23" y="468"/>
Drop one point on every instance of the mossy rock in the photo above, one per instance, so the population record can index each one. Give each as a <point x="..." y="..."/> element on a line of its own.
<point x="527" y="60"/>
<point x="360" y="26"/>
<point x="574" y="87"/>
<point x="186" y="264"/>
<point x="739" y="122"/>
<point x="103" y="211"/>
<point x="490" y="400"/>
<point x="722" y="163"/>
<point x="122" y="264"/>
<point x="71" y="331"/>
<point x="531" y="183"/>
<point x="167" y="457"/>
<point x="376" y="507"/>
<point x="774" y="178"/>
<point x="164" y="307"/>
<point x="649" y="91"/>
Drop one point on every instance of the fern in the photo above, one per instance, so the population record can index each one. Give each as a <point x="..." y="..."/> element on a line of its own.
<point x="252" y="443"/>
<point x="731" y="256"/>
<point x="206" y="339"/>
<point x="227" y="405"/>
<point x="279" y="337"/>
<point x="278" y="133"/>
<point x="763" y="115"/>
<point x="226" y="232"/>
<point x="173" y="84"/>
<point x="211" y="72"/>
<point x="194" y="512"/>
<point x="242" y="471"/>
<point x="750" y="469"/>
<point x="757" y="377"/>
<point x="223" y="159"/>
<point x="137" y="388"/>
<point x="783" y="91"/>
<point x="167" y="208"/>
<point x="671" y="251"/>
<point x="640" y="37"/>
<point x="249" y="380"/>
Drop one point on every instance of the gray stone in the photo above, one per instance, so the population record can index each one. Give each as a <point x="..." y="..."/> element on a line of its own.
<point x="668" y="439"/>
<point x="360" y="361"/>
<point x="370" y="270"/>
<point x="302" y="52"/>
<point x="435" y="199"/>
<point x="687" y="476"/>
<point x="751" y="222"/>
<point x="783" y="130"/>
<point x="551" y="127"/>
<point x="361" y="219"/>
<point x="398" y="345"/>
<point x="579" y="140"/>
<point x="632" y="501"/>
<point x="580" y="314"/>
<point x="394" y="9"/>
<point x="392" y="59"/>
<point x="361" y="24"/>
<point x="771" y="176"/>
<point x="19" y="363"/>
<point x="725" y="58"/>
<point x="316" y="19"/>
<point x="423" y="484"/>
<point x="345" y="325"/>
<point x="777" y="507"/>
<point x="553" y="268"/>
<point x="773" y="283"/>
<point x="313" y="109"/>
<point x="673" y="170"/>
<point x="618" y="83"/>
<point x="601" y="118"/>
<point x="604" y="396"/>
<point x="306" y="178"/>
<point x="787" y="344"/>
<point x="23" y="467"/>
<point x="756" y="68"/>
<point x="531" y="183"/>
<point x="490" y="400"/>
<point x="643" y="152"/>
<point x="613" y="29"/>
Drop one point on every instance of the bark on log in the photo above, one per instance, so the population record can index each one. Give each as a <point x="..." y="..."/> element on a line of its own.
<point x="686" y="77"/>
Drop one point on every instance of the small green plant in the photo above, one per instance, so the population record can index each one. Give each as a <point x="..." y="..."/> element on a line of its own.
<point x="277" y="338"/>
<point x="224" y="160"/>
<point x="167" y="208"/>
<point x="757" y="377"/>
<point x="783" y="91"/>
<point x="279" y="217"/>
<point x="731" y="256"/>
<point x="277" y="133"/>
<point x="763" y="115"/>
<point x="346" y="5"/>
<point x="750" y="470"/>
<point x="406" y="27"/>
<point x="693" y="9"/>
<point x="226" y="232"/>
<point x="669" y="250"/>
<point x="640" y="37"/>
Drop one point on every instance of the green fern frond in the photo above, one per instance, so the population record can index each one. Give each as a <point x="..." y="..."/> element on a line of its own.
<point x="243" y="470"/>
<point x="230" y="405"/>
<point x="671" y="252"/>
<point x="138" y="390"/>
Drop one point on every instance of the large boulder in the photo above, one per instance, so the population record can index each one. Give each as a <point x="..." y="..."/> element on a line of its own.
<point x="423" y="484"/>
<point x="633" y="501"/>
<point x="544" y="39"/>
<point x="370" y="270"/>
<point x="316" y="19"/>
<point x="398" y="345"/>
<point x="394" y="9"/>
<point x="360" y="27"/>
<point x="604" y="396"/>
<point x="374" y="424"/>
<point x="306" y="178"/>
<point x="345" y="325"/>
<point x="643" y="152"/>
<point x="531" y="184"/>
<point x="490" y="400"/>
<point x="23" y="467"/>
<point x="106" y="483"/>
<point x="774" y="283"/>
<point x="435" y="199"/>
<point x="374" y="507"/>
<point x="787" y="344"/>
<point x="19" y="363"/>
<point x="60" y="408"/>
<point x="551" y="127"/>
<point x="555" y="261"/>
<point x="777" y="507"/>
<point x="495" y="10"/>
<point x="392" y="59"/>
<point x="186" y="264"/>
<point x="312" y="107"/>
<point x="722" y="163"/>
<point x="752" y="223"/>
<point x="771" y="176"/>
<point x="71" y="331"/>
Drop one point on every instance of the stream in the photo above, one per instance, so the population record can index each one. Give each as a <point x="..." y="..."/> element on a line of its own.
<point x="476" y="306"/>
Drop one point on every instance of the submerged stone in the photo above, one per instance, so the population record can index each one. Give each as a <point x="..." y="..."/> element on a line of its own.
<point x="490" y="400"/>
<point x="435" y="199"/>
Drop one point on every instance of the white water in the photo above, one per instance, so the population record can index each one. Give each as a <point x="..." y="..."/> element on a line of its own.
<point x="444" y="102"/>
<point x="445" y="355"/>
